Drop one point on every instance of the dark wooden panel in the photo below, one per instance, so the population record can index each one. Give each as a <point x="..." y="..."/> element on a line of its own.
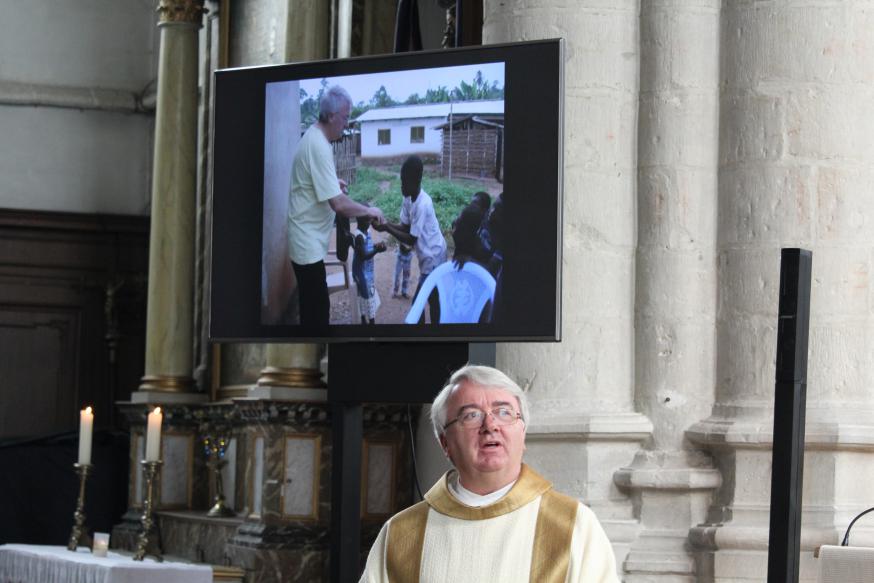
<point x="38" y="366"/>
<point x="72" y="317"/>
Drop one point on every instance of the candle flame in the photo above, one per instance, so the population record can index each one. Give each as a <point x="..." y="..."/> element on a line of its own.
<point x="88" y="410"/>
<point x="157" y="410"/>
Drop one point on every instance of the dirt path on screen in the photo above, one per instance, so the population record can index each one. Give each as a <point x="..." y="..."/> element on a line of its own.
<point x="391" y="310"/>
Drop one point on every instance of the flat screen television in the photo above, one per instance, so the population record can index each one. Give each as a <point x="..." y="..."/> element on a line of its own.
<point x="460" y="148"/>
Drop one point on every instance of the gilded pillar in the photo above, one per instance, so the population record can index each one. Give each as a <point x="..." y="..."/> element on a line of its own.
<point x="169" y="326"/>
<point x="292" y="372"/>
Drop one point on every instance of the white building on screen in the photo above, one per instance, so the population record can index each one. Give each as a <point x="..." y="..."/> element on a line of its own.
<point x="391" y="132"/>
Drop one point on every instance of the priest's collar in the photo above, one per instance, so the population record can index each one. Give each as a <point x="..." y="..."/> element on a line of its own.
<point x="528" y="487"/>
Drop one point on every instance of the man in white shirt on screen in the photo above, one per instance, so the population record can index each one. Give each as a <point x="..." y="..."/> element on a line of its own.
<point x="419" y="228"/>
<point x="492" y="518"/>
<point x="316" y="196"/>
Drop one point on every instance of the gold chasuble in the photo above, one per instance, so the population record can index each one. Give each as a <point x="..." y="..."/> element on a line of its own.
<point x="553" y="532"/>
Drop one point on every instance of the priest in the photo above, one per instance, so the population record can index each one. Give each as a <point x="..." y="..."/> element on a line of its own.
<point x="492" y="518"/>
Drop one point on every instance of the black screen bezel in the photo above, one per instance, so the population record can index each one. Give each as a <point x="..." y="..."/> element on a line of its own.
<point x="532" y="174"/>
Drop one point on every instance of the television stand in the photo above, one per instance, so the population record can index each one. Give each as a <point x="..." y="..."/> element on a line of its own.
<point x="377" y="373"/>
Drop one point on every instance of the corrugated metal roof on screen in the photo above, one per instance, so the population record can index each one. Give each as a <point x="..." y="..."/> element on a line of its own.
<point x="495" y="106"/>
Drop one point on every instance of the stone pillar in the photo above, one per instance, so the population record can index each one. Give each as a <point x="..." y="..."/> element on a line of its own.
<point x="795" y="170"/>
<point x="583" y="425"/>
<point x="675" y="307"/>
<point x="169" y="340"/>
<point x="292" y="372"/>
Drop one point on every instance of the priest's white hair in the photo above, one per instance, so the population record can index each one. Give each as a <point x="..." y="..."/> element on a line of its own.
<point x="483" y="376"/>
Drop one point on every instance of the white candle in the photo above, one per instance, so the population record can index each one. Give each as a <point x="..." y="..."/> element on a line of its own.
<point x="101" y="544"/>
<point x="153" y="436"/>
<point x="86" y="427"/>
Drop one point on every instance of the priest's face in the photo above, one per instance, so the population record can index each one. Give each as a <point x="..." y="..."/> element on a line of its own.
<point x="487" y="455"/>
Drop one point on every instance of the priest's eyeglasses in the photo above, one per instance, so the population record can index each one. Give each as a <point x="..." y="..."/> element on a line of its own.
<point x="472" y="417"/>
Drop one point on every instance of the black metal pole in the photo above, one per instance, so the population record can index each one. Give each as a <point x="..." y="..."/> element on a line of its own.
<point x="787" y="465"/>
<point x="347" y="431"/>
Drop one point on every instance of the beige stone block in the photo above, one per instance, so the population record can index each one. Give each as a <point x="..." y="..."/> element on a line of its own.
<point x="746" y="353"/>
<point x="860" y="45"/>
<point x="675" y="376"/>
<point x="742" y="53"/>
<point x="840" y="367"/>
<point x="752" y="471"/>
<point x="679" y="127"/>
<point x="599" y="210"/>
<point x="600" y="130"/>
<point x="766" y="205"/>
<point x="751" y="128"/>
<point x="829" y="122"/>
<point x="841" y="283"/>
<point x="677" y="208"/>
<point x="770" y="44"/>
<point x="601" y="44"/>
<point x="593" y="363"/>
<point x="679" y="46"/>
<point x="597" y="284"/>
<point x="844" y="205"/>
<point x="852" y="477"/>
<point x="676" y="285"/>
<point x="749" y="283"/>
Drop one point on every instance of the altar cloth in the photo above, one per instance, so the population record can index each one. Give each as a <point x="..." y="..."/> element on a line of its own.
<point x="55" y="564"/>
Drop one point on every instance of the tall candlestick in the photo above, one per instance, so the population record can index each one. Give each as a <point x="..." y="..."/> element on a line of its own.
<point x="86" y="426"/>
<point x="153" y="436"/>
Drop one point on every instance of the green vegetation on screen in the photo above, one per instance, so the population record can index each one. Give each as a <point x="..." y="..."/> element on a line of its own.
<point x="383" y="189"/>
<point x="479" y="88"/>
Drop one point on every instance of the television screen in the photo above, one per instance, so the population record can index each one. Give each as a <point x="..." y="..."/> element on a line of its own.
<point x="403" y="197"/>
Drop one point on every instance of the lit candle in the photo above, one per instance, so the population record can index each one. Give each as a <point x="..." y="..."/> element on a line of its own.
<point x="86" y="426"/>
<point x="101" y="544"/>
<point x="153" y="436"/>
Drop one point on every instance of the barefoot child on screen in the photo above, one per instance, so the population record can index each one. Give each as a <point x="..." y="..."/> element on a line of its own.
<point x="362" y="271"/>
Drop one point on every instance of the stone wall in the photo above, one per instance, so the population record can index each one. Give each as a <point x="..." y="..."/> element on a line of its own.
<point x="74" y="105"/>
<point x="700" y="138"/>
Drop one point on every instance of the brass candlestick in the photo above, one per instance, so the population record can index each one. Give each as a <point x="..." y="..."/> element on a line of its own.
<point x="78" y="535"/>
<point x="220" y="508"/>
<point x="214" y="448"/>
<point x="147" y="544"/>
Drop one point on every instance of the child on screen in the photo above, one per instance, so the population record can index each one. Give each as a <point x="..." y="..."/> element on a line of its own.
<point x="362" y="270"/>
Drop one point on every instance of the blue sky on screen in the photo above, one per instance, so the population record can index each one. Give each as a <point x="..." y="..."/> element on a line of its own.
<point x="402" y="84"/>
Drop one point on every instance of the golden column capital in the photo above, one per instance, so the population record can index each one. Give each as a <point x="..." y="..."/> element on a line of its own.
<point x="180" y="12"/>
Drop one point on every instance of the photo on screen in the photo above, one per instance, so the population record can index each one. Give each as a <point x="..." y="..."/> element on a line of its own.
<point x="436" y="135"/>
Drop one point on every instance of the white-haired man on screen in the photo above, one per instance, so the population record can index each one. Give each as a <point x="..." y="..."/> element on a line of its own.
<point x="492" y="518"/>
<point x="315" y="197"/>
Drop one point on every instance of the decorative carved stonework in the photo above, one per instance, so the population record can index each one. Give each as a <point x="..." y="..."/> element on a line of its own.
<point x="181" y="12"/>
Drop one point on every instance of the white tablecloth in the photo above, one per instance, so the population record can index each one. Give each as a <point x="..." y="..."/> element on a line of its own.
<point x="846" y="564"/>
<point x="49" y="564"/>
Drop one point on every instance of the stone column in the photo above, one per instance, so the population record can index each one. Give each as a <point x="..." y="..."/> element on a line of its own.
<point x="583" y="425"/>
<point x="292" y="372"/>
<point x="796" y="165"/>
<point x="169" y="340"/>
<point x="675" y="307"/>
